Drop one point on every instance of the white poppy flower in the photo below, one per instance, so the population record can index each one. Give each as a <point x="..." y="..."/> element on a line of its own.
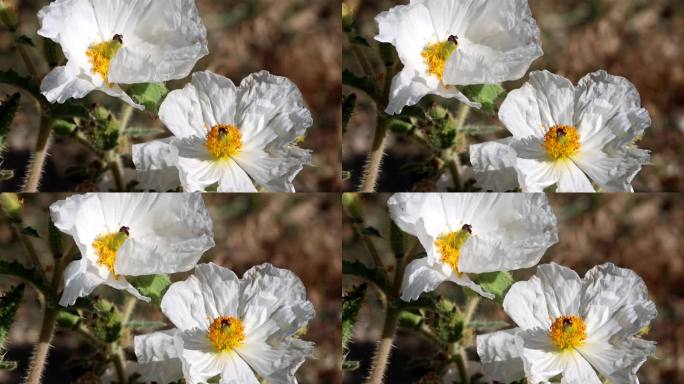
<point x="471" y="233"/>
<point x="574" y="137"/>
<point x="445" y="43"/>
<point x="111" y="42"/>
<point x="122" y="234"/>
<point x="494" y="165"/>
<point x="240" y="329"/>
<point x="237" y="137"/>
<point x="155" y="162"/>
<point x="572" y="326"/>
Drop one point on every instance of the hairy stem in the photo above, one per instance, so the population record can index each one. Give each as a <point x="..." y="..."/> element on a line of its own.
<point x="384" y="348"/>
<point x="35" y="172"/>
<point x="118" y="362"/>
<point x="129" y="306"/>
<point x="43" y="347"/>
<point x="374" y="159"/>
<point x="459" y="358"/>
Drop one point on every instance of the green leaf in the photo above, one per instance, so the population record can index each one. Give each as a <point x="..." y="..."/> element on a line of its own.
<point x="8" y="110"/>
<point x="397" y="240"/>
<point x="25" y="40"/>
<point x="497" y="283"/>
<point x="106" y="323"/>
<point x="150" y="95"/>
<point x="152" y="286"/>
<point x="69" y="110"/>
<point x="8" y="365"/>
<point x="488" y="95"/>
<point x="12" y="78"/>
<point x="399" y="126"/>
<point x="68" y="320"/>
<point x="31" y="275"/>
<point x="144" y="325"/>
<point x="351" y="365"/>
<point x="483" y="325"/>
<point x="30" y="231"/>
<point x="348" y="105"/>
<point x="373" y="275"/>
<point x="9" y="303"/>
<point x="351" y="304"/>
<point x="362" y="83"/>
<point x="425" y="301"/>
<point x="63" y="127"/>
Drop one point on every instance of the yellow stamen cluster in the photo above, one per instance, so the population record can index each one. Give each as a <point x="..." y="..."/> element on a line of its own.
<point x="224" y="141"/>
<point x="106" y="246"/>
<point x="561" y="142"/>
<point x="449" y="246"/>
<point x="100" y="56"/>
<point x="436" y="55"/>
<point x="226" y="333"/>
<point x="568" y="332"/>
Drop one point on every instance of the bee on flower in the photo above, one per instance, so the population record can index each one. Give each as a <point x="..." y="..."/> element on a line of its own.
<point x="575" y="327"/>
<point x="123" y="235"/>
<point x="447" y="43"/>
<point x="113" y="42"/>
<point x="242" y="330"/>
<point x="233" y="138"/>
<point x="576" y="138"/>
<point x="471" y="233"/>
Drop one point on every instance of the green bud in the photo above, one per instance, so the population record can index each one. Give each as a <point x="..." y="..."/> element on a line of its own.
<point x="437" y="112"/>
<point x="107" y="322"/>
<point x="8" y="16"/>
<point x="396" y="240"/>
<point x="68" y="320"/>
<point x="11" y="205"/>
<point x="63" y="127"/>
<point x="399" y="126"/>
<point x="352" y="205"/>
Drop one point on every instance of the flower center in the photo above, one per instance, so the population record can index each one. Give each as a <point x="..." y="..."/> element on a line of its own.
<point x="226" y="333"/>
<point x="100" y="56"/>
<point x="568" y="332"/>
<point x="450" y="244"/>
<point x="435" y="55"/>
<point x="224" y="141"/>
<point x="561" y="141"/>
<point x="106" y="247"/>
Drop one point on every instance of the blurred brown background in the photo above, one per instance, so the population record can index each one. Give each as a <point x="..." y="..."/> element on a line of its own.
<point x="642" y="40"/>
<point x="298" y="39"/>
<point x="297" y="232"/>
<point x="642" y="232"/>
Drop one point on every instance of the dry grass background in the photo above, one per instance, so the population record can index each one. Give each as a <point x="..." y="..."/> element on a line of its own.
<point x="642" y="232"/>
<point x="642" y="40"/>
<point x="298" y="39"/>
<point x="297" y="232"/>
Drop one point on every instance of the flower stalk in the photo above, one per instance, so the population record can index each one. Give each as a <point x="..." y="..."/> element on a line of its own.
<point x="37" y="165"/>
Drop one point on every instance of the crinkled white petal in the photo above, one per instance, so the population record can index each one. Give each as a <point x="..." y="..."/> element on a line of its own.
<point x="579" y="371"/>
<point x="572" y="179"/>
<point x="541" y="360"/>
<point x="619" y="362"/>
<point x="160" y="42"/>
<point x="183" y="303"/>
<point x="155" y="162"/>
<point x="420" y="276"/>
<point x="200" y="362"/>
<point x="157" y="356"/>
<point x="494" y="165"/>
<point x="234" y="178"/>
<point x="500" y="355"/>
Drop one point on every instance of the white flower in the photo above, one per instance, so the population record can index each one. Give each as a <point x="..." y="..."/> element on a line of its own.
<point x="133" y="234"/>
<point x="574" y="137"/>
<point x="155" y="162"/>
<point x="573" y="327"/>
<point x="237" y="137"/>
<point x="471" y="233"/>
<point x="444" y="43"/>
<point x="241" y="329"/>
<point x="111" y="42"/>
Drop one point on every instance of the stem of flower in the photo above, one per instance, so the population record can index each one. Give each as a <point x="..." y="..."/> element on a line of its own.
<point x="384" y="349"/>
<point x="374" y="160"/>
<point x="42" y="348"/>
<point x="461" y="363"/>
<point x="117" y="360"/>
<point x="38" y="162"/>
<point x="129" y="306"/>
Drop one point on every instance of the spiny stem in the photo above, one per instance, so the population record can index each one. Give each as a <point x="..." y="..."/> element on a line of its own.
<point x="374" y="160"/>
<point x="384" y="349"/>
<point x="42" y="348"/>
<point x="35" y="172"/>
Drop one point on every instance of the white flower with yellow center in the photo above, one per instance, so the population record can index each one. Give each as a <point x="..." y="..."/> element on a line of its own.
<point x="471" y="233"/>
<point x="578" y="138"/>
<point x="111" y="42"/>
<point x="572" y="327"/>
<point x="130" y="234"/>
<point x="243" y="330"/>
<point x="236" y="137"/>
<point x="445" y="43"/>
